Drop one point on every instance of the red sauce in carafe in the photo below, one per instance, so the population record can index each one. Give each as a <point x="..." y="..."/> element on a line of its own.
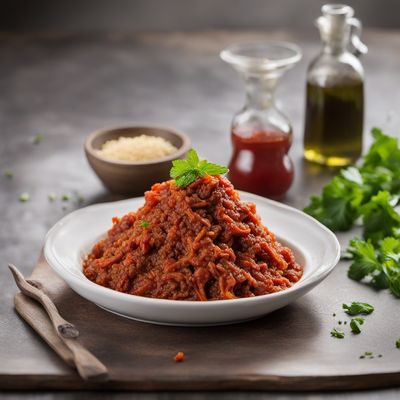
<point x="260" y="163"/>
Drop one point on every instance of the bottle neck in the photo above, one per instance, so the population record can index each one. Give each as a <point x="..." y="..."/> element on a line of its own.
<point x="260" y="91"/>
<point x="334" y="48"/>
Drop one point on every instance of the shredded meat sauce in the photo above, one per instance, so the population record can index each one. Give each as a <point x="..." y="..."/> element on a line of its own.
<point x="195" y="243"/>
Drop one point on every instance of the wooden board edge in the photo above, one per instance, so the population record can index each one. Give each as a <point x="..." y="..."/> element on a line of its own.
<point x="249" y="383"/>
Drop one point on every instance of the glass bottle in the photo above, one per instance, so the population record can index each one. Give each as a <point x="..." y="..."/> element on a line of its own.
<point x="261" y="134"/>
<point x="335" y="91"/>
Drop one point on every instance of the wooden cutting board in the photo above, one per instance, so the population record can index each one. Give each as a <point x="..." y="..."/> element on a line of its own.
<point x="290" y="349"/>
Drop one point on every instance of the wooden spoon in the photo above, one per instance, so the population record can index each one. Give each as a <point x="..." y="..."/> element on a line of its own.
<point x="88" y="366"/>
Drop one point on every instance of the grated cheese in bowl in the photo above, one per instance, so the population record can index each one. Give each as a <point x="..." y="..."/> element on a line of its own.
<point x="137" y="148"/>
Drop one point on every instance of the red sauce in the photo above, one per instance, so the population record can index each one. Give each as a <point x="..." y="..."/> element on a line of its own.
<point x="260" y="163"/>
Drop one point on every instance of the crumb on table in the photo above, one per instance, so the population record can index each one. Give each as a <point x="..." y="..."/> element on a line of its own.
<point x="179" y="356"/>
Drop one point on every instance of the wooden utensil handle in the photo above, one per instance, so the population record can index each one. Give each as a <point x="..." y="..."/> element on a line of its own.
<point x="88" y="366"/>
<point x="62" y="327"/>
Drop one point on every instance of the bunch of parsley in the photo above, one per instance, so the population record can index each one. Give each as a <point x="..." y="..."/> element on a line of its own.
<point x="369" y="193"/>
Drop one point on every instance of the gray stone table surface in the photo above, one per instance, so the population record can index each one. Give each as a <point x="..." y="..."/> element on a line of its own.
<point x="63" y="87"/>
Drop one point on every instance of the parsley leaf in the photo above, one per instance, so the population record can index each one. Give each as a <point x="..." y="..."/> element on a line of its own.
<point x="364" y="259"/>
<point x="356" y="308"/>
<point x="187" y="171"/>
<point x="338" y="206"/>
<point x="383" y="152"/>
<point x="337" y="334"/>
<point x="380" y="217"/>
<point x="355" y="324"/>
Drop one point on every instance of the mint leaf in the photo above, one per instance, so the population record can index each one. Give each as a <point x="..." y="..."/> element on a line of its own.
<point x="178" y="168"/>
<point x="356" y="308"/>
<point x="213" y="169"/>
<point x="193" y="158"/>
<point x="187" y="178"/>
<point x="187" y="171"/>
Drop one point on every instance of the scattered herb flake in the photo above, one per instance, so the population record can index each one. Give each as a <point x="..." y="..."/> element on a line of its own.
<point x="24" y="197"/>
<point x="38" y="139"/>
<point x="8" y="173"/>
<point x="333" y="315"/>
<point x="144" y="224"/>
<point x="52" y="196"/>
<point x="355" y="324"/>
<point x="368" y="355"/>
<point x="80" y="199"/>
<point x="65" y="197"/>
<point x="356" y="308"/>
<point x="187" y="171"/>
<point x="337" y="334"/>
<point x="398" y="343"/>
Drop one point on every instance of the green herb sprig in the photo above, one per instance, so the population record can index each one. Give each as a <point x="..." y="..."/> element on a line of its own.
<point x="187" y="171"/>
<point x="369" y="192"/>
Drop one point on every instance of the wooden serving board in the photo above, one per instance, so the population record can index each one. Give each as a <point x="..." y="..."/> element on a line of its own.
<point x="290" y="349"/>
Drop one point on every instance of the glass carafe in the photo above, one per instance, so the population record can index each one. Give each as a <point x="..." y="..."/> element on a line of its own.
<point x="261" y="134"/>
<point x="335" y="91"/>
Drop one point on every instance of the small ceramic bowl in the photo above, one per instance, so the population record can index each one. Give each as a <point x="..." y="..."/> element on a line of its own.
<point x="134" y="177"/>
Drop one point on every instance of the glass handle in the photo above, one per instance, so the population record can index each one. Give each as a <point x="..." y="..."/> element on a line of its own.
<point x="358" y="45"/>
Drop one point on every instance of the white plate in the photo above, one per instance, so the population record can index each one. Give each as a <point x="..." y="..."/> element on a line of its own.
<point x="314" y="246"/>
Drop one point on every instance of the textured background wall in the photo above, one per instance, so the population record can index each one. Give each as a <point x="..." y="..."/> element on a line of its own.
<point x="164" y="15"/>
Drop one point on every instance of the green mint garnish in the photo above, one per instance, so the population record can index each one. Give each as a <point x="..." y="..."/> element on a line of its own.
<point x="355" y="324"/>
<point x="337" y="334"/>
<point x="187" y="171"/>
<point x="356" y="308"/>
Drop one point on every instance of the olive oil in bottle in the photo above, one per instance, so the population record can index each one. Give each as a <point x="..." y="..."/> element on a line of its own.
<point x="335" y="92"/>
